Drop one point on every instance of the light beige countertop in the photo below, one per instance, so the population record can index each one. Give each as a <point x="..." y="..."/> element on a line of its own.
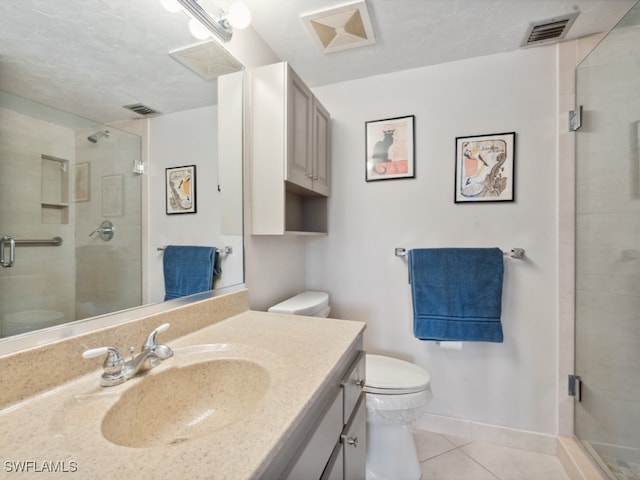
<point x="61" y="428"/>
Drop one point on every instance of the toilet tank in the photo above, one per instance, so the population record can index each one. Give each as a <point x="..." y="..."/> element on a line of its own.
<point x="311" y="303"/>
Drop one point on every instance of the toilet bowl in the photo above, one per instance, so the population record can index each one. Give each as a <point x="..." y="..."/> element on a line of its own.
<point x="396" y="392"/>
<point x="27" y="321"/>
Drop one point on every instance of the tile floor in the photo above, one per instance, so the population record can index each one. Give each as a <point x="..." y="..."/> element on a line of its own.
<point x="444" y="457"/>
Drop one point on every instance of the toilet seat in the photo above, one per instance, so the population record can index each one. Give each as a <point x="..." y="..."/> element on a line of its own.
<point x="391" y="376"/>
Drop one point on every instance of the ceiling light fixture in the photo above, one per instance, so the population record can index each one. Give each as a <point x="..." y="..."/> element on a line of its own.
<point x="203" y="24"/>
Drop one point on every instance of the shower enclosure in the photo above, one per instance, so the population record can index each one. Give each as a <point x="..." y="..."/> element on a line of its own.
<point x="70" y="217"/>
<point x="607" y="419"/>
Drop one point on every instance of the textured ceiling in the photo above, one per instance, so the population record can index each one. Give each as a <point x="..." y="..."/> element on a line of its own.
<point x="90" y="57"/>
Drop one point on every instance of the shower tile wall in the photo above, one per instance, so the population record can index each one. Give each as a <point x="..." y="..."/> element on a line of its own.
<point x="23" y="140"/>
<point x="608" y="241"/>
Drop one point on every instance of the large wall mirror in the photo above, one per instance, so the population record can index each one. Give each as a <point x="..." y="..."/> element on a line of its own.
<point x="83" y="180"/>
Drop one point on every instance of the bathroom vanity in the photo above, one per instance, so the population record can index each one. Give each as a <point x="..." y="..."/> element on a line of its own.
<point x="248" y="395"/>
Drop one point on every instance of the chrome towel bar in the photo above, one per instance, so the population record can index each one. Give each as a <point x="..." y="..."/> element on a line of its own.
<point x="225" y="251"/>
<point x="513" y="253"/>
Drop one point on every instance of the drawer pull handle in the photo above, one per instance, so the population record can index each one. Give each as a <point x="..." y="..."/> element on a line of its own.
<point x="353" y="441"/>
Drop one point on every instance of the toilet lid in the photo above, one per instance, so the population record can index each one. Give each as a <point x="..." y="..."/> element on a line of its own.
<point x="305" y="303"/>
<point x="386" y="373"/>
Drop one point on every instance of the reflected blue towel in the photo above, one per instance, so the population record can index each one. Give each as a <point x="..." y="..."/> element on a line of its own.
<point x="189" y="270"/>
<point x="457" y="293"/>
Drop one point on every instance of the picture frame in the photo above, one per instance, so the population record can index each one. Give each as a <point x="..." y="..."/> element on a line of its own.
<point x="485" y="168"/>
<point x="112" y="195"/>
<point x="181" y="189"/>
<point x="390" y="148"/>
<point x="80" y="177"/>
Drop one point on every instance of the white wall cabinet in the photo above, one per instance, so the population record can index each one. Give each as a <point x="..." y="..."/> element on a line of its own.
<point x="289" y="138"/>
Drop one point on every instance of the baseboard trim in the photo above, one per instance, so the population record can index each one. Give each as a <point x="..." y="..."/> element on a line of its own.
<point x="498" y="435"/>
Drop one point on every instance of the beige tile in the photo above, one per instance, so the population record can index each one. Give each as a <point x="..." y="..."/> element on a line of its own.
<point x="457" y="441"/>
<point x="429" y="444"/>
<point x="455" y="465"/>
<point x="513" y="464"/>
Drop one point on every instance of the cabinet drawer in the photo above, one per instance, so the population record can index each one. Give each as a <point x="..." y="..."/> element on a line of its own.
<point x="352" y="385"/>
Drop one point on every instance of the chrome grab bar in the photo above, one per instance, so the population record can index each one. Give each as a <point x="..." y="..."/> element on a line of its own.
<point x="11" y="243"/>
<point x="12" y="252"/>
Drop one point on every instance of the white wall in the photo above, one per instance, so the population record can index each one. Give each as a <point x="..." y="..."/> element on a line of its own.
<point x="178" y="139"/>
<point x="511" y="384"/>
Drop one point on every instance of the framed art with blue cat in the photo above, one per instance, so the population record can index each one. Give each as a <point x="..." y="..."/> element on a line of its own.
<point x="390" y="148"/>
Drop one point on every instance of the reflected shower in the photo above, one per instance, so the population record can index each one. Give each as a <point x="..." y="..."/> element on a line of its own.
<point x="94" y="138"/>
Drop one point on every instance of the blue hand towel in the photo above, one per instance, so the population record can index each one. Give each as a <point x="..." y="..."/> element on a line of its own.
<point x="189" y="270"/>
<point x="457" y="293"/>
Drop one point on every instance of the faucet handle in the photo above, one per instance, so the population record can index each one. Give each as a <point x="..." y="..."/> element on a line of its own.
<point x="151" y="339"/>
<point x="112" y="364"/>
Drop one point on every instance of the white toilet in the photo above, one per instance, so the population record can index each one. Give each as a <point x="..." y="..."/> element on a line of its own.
<point x="397" y="393"/>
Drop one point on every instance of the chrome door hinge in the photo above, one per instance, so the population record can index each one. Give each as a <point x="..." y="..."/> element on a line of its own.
<point x="575" y="387"/>
<point x="575" y="119"/>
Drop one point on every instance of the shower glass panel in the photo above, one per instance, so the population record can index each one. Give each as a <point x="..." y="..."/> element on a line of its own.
<point x="61" y="179"/>
<point x="607" y="420"/>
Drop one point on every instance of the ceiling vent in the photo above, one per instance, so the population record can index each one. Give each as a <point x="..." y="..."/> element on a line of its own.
<point x="340" y="28"/>
<point x="208" y="59"/>
<point x="548" y="31"/>
<point x="141" y="109"/>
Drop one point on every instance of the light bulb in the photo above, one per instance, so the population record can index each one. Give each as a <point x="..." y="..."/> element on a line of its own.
<point x="198" y="30"/>
<point x="239" y="15"/>
<point x="171" y="5"/>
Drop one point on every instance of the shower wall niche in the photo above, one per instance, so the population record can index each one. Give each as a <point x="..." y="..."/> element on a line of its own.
<point x="55" y="190"/>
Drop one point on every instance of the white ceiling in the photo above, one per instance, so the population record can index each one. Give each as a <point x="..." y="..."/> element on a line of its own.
<point x="90" y="57"/>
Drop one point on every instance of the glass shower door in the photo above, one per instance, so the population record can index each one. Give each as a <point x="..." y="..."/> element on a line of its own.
<point x="607" y="420"/>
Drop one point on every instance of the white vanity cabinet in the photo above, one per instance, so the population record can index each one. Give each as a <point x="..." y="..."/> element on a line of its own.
<point x="289" y="137"/>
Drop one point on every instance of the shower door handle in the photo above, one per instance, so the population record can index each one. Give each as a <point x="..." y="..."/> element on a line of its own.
<point x="11" y="243"/>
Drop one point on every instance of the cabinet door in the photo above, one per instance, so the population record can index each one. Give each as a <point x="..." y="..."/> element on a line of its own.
<point x="299" y="132"/>
<point x="354" y="443"/>
<point x="321" y="149"/>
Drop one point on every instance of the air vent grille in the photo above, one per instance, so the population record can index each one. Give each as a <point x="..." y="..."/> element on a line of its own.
<point x="548" y="31"/>
<point x="141" y="109"/>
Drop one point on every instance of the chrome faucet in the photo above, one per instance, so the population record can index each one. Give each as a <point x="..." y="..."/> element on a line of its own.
<point x="117" y="371"/>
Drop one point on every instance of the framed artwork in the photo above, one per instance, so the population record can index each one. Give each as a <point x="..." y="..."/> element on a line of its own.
<point x="181" y="189"/>
<point x="112" y="192"/>
<point x="80" y="192"/>
<point x="485" y="168"/>
<point x="390" y="149"/>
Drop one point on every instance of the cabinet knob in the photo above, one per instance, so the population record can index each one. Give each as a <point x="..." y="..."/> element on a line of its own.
<point x="310" y="176"/>
<point x="353" y="441"/>
<point x="359" y="383"/>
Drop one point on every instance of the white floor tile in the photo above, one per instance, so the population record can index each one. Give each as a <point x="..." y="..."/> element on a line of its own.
<point x="454" y="465"/>
<point x="429" y="444"/>
<point x="513" y="464"/>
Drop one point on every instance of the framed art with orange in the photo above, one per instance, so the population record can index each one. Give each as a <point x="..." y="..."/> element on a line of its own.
<point x="390" y="149"/>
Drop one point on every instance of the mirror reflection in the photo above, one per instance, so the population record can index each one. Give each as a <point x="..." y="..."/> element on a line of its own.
<point x="83" y="202"/>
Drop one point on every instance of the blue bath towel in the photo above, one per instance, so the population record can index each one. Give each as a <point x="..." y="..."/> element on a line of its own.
<point x="189" y="269"/>
<point x="457" y="293"/>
